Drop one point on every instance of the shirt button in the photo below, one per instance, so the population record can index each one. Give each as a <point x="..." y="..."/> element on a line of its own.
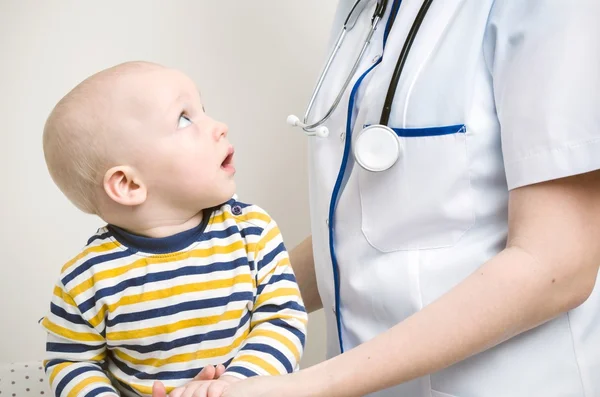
<point x="376" y="58"/>
<point x="343" y="136"/>
<point x="236" y="210"/>
<point x="327" y="221"/>
<point x="333" y="310"/>
<point x="250" y="305"/>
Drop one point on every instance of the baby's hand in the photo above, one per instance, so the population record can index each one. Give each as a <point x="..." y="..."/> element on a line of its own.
<point x="203" y="388"/>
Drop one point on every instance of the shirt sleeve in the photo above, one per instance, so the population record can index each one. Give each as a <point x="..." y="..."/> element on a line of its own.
<point x="544" y="58"/>
<point x="75" y="351"/>
<point x="277" y="335"/>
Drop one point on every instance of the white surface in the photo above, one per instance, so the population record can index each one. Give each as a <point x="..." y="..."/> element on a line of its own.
<point x="23" y="379"/>
<point x="254" y="65"/>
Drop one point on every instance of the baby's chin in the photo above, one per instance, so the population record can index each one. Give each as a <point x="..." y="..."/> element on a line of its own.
<point x="217" y="195"/>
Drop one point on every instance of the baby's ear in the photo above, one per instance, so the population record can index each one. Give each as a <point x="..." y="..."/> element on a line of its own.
<point x="124" y="186"/>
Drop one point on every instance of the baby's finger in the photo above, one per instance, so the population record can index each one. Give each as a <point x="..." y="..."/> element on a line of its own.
<point x="207" y="373"/>
<point x="220" y="370"/>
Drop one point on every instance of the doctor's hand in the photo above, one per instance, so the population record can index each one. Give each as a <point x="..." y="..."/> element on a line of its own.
<point x="204" y="388"/>
<point x="270" y="386"/>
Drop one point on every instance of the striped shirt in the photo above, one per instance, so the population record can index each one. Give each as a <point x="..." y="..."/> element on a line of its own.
<point x="129" y="310"/>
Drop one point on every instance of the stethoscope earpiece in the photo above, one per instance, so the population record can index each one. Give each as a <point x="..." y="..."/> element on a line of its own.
<point x="377" y="147"/>
<point x="321" y="132"/>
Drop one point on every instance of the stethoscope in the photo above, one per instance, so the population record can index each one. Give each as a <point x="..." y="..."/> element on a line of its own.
<point x="376" y="147"/>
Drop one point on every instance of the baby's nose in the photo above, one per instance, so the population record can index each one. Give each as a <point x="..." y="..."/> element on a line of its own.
<point x="220" y="130"/>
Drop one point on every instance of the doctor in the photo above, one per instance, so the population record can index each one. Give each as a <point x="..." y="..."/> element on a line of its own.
<point x="460" y="258"/>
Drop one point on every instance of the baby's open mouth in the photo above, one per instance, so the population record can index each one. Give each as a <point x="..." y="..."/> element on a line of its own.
<point x="227" y="164"/>
<point x="227" y="160"/>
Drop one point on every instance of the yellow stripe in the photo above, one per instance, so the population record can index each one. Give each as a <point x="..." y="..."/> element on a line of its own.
<point x="86" y="382"/>
<point x="99" y="357"/>
<point x="62" y="294"/>
<point x="184" y="357"/>
<point x="158" y="259"/>
<point x="142" y="390"/>
<point x="283" y="262"/>
<point x="278" y="337"/>
<point x="267" y="238"/>
<point x="179" y="290"/>
<point x="259" y="362"/>
<point x="99" y="317"/>
<point x="96" y="249"/>
<point x="72" y="335"/>
<point x="57" y="370"/>
<point x="278" y="293"/>
<point x="169" y="328"/>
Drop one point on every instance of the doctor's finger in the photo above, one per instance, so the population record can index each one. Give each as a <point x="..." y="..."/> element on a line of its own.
<point x="202" y="390"/>
<point x="216" y="389"/>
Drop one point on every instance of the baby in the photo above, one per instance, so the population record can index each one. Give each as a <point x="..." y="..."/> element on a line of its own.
<point x="183" y="276"/>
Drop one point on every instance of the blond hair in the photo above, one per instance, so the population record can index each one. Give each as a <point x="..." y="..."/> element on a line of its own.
<point x="72" y="146"/>
<point x="75" y="138"/>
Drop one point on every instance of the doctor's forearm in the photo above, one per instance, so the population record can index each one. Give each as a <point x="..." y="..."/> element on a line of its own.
<point x="549" y="266"/>
<point x="303" y="265"/>
<point x="509" y="295"/>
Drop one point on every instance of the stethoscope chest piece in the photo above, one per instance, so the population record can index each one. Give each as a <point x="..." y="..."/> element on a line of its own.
<point x="376" y="148"/>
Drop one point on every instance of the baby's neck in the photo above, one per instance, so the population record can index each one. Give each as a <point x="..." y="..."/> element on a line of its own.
<point x="158" y="228"/>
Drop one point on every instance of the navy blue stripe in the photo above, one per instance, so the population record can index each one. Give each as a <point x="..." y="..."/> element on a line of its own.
<point x="54" y="362"/>
<point x="127" y="387"/>
<point x="270" y="257"/>
<point x="190" y="340"/>
<point x="279" y="356"/>
<point x="162" y="245"/>
<point x="275" y="279"/>
<point x="284" y="325"/>
<point x="71" y="348"/>
<point x="98" y="237"/>
<point x="391" y="20"/>
<point x="340" y="178"/>
<point x="99" y="390"/>
<point x="251" y="231"/>
<point x="333" y="203"/>
<point x="87" y="305"/>
<point x="72" y="375"/>
<point x="179" y="308"/>
<point x="62" y="313"/>
<point x="170" y="275"/>
<point x="291" y="305"/>
<point x="430" y="131"/>
<point x="94" y="261"/>
<point x="164" y="375"/>
<point x="242" y="371"/>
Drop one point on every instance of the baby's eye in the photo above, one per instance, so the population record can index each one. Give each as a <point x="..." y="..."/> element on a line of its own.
<point x="184" y="121"/>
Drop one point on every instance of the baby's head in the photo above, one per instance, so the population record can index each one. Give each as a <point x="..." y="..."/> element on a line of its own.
<point x="133" y="142"/>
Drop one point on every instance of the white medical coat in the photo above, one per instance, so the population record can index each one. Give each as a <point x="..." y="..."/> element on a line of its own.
<point x="495" y="95"/>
